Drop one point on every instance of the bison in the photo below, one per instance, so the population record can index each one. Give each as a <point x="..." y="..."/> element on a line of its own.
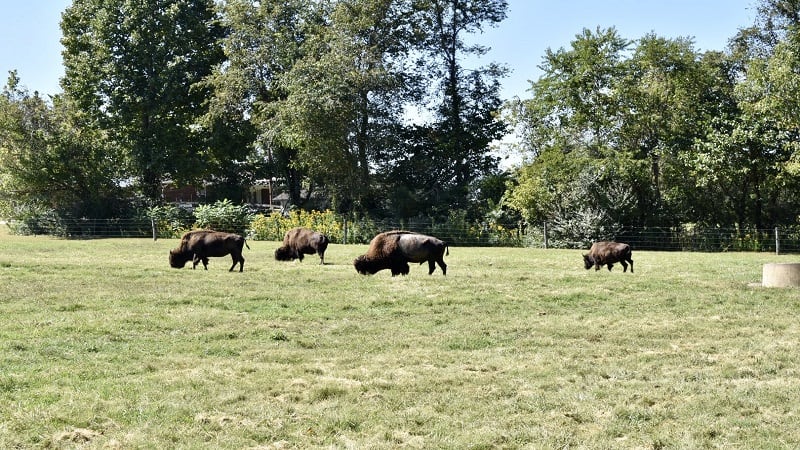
<point x="608" y="253"/>
<point x="199" y="245"/>
<point x="300" y="241"/>
<point x="393" y="250"/>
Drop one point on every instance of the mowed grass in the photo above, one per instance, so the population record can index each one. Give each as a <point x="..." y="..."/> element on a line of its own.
<point x="105" y="346"/>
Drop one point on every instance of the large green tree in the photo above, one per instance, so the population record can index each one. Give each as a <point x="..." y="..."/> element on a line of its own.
<point x="629" y="117"/>
<point x="770" y="55"/>
<point x="577" y="176"/>
<point x="51" y="161"/>
<point x="662" y="102"/>
<point x="135" y="67"/>
<point x="328" y="87"/>
<point x="464" y="101"/>
<point x="575" y="104"/>
<point x="752" y="155"/>
<point x="263" y="41"/>
<point x="688" y="137"/>
<point x="346" y="94"/>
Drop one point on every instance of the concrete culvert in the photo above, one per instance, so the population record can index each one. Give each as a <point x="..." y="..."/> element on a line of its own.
<point x="781" y="275"/>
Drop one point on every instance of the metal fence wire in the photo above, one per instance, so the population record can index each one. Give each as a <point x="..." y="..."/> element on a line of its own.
<point x="684" y="238"/>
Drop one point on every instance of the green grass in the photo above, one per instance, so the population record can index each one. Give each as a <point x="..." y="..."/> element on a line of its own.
<point x="104" y="346"/>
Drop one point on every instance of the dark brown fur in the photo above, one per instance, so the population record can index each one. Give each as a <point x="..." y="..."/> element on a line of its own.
<point x="200" y="245"/>
<point x="300" y="241"/>
<point x="393" y="250"/>
<point x="604" y="253"/>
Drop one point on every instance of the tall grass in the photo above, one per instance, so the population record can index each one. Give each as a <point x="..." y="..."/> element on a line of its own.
<point x="104" y="346"/>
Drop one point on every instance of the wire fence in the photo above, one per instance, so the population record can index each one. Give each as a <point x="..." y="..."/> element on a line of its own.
<point x="83" y="228"/>
<point x="774" y="240"/>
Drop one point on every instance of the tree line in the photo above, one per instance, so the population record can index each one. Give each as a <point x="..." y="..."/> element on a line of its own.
<point x="367" y="101"/>
<point x="370" y="103"/>
<point x="653" y="133"/>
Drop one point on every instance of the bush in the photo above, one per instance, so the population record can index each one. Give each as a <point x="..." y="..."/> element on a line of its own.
<point x="275" y="225"/>
<point x="361" y="230"/>
<point x="171" y="220"/>
<point x="33" y="219"/>
<point x="223" y="215"/>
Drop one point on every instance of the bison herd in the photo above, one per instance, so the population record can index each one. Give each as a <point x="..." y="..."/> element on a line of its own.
<point x="391" y="250"/>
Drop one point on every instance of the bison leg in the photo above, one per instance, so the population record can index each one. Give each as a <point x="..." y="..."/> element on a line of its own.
<point x="400" y="269"/>
<point x="432" y="266"/>
<point x="631" y="261"/>
<point x="237" y="260"/>
<point x="196" y="260"/>
<point x="610" y="266"/>
<point x="322" y="258"/>
<point x="624" y="266"/>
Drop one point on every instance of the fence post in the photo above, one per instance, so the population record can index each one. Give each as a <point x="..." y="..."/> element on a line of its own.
<point x="545" y="234"/>
<point x="777" y="242"/>
<point x="344" y="221"/>
<point x="155" y="231"/>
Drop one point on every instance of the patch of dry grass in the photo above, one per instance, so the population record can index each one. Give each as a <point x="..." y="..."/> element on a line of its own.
<point x="103" y="345"/>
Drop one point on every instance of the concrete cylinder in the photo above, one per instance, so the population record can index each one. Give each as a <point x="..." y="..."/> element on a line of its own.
<point x="781" y="275"/>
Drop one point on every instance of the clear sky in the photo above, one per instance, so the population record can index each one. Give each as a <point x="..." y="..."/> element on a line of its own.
<point x="30" y="33"/>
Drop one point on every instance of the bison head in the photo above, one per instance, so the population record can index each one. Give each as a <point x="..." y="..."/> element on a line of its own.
<point x="284" y="254"/>
<point x="364" y="266"/>
<point x="178" y="259"/>
<point x="588" y="262"/>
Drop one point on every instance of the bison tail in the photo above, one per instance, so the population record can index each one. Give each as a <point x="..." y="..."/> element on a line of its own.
<point x="245" y="243"/>
<point x="446" y="250"/>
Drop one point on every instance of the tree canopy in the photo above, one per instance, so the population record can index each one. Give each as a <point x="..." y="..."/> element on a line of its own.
<point x="136" y="69"/>
<point x="50" y="160"/>
<point x="650" y="132"/>
<point x="314" y="95"/>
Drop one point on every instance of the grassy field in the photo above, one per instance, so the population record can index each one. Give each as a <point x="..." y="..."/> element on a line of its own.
<point x="104" y="346"/>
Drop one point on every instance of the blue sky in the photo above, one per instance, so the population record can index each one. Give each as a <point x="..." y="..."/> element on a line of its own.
<point x="30" y="33"/>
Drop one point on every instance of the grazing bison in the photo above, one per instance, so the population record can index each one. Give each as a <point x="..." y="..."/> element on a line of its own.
<point x="300" y="241"/>
<point x="393" y="250"/>
<point x="608" y="253"/>
<point x="199" y="245"/>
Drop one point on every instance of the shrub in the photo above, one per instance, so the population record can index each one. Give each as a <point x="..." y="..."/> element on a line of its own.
<point x="223" y="215"/>
<point x="361" y="230"/>
<point x="170" y="220"/>
<point x="35" y="219"/>
<point x="267" y="228"/>
<point x="275" y="225"/>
